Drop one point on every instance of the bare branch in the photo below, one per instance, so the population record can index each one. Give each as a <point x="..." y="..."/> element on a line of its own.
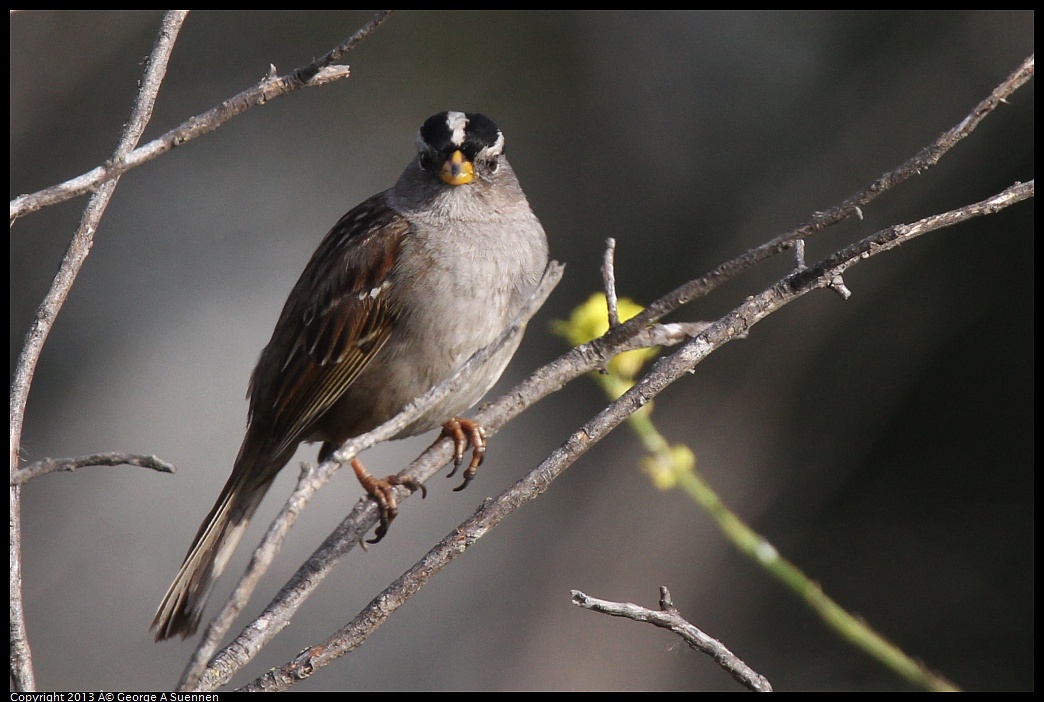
<point x="306" y="73"/>
<point x="609" y="276"/>
<point x="799" y="253"/>
<point x="113" y="458"/>
<point x="492" y="512"/>
<point x="269" y="88"/>
<point x="103" y="181"/>
<point x="824" y="272"/>
<point x="670" y="334"/>
<point x="670" y="618"/>
<point x="23" y="679"/>
<point x="838" y="286"/>
<point x="21" y="661"/>
<point x="923" y="160"/>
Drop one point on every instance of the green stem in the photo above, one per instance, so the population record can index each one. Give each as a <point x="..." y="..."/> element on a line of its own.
<point x="849" y="627"/>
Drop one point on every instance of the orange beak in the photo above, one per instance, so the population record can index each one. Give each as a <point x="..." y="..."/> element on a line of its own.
<point x="457" y="170"/>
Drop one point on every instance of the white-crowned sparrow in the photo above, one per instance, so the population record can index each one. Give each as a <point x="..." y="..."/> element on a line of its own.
<point x="400" y="293"/>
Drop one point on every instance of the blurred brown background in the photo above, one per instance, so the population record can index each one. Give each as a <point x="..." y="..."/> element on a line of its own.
<point x="884" y="444"/>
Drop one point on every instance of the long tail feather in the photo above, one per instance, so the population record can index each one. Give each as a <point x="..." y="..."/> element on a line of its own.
<point x="182" y="608"/>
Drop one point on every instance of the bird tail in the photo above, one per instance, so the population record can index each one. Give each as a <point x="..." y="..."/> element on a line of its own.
<point x="182" y="608"/>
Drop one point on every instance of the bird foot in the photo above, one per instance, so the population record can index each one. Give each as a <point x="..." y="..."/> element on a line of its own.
<point x="464" y="432"/>
<point x="382" y="490"/>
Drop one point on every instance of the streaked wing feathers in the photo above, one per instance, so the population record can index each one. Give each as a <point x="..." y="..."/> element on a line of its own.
<point x="334" y="322"/>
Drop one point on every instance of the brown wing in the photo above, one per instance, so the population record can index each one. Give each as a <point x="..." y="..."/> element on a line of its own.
<point x="334" y="322"/>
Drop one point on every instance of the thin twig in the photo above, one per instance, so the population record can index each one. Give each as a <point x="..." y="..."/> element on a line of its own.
<point x="670" y="618"/>
<point x="112" y="458"/>
<point x="269" y="88"/>
<point x="838" y="286"/>
<point x="72" y="262"/>
<point x="609" y="277"/>
<point x="307" y="73"/>
<point x="492" y="512"/>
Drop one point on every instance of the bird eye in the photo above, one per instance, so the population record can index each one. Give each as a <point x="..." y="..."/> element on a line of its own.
<point x="494" y="165"/>
<point x="426" y="160"/>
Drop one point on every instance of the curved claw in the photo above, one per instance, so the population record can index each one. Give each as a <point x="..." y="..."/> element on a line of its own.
<point x="382" y="490"/>
<point x="464" y="432"/>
